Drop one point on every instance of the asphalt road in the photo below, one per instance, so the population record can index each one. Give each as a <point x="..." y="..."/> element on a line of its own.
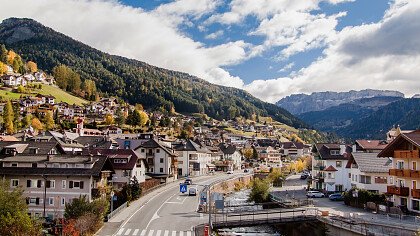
<point x="167" y="213"/>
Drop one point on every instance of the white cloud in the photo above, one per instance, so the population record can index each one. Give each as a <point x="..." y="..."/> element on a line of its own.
<point x="383" y="55"/>
<point x="287" y="67"/>
<point x="131" y="32"/>
<point x="215" y="35"/>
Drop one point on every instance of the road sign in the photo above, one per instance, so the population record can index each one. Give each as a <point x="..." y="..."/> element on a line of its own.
<point x="216" y="196"/>
<point x="115" y="198"/>
<point x="203" y="197"/>
<point x="183" y="188"/>
<point x="220" y="204"/>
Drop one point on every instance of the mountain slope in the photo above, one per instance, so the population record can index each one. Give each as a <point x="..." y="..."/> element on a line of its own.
<point x="132" y="80"/>
<point x="344" y="115"/>
<point x="356" y="120"/>
<point x="301" y="103"/>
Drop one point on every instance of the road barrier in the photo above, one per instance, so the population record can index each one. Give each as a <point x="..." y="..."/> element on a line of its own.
<point x="113" y="213"/>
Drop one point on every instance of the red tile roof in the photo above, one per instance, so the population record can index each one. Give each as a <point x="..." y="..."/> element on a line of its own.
<point x="372" y="144"/>
<point x="330" y="168"/>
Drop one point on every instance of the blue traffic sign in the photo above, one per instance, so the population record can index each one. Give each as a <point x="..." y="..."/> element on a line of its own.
<point x="183" y="188"/>
<point x="114" y="198"/>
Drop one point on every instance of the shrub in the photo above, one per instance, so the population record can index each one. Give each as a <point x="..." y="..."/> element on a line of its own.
<point x="259" y="191"/>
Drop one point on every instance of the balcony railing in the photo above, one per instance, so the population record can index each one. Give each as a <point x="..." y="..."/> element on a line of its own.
<point x="415" y="193"/>
<point x="405" y="173"/>
<point x="319" y="167"/>
<point x="400" y="191"/>
<point x="406" y="154"/>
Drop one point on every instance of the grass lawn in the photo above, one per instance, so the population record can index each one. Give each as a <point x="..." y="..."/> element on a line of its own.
<point x="60" y="95"/>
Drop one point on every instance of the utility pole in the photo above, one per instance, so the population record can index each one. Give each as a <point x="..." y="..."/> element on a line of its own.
<point x="210" y="227"/>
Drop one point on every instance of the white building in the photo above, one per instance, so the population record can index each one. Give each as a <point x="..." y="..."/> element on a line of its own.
<point x="232" y="154"/>
<point x="193" y="158"/>
<point x="329" y="170"/>
<point x="369" y="172"/>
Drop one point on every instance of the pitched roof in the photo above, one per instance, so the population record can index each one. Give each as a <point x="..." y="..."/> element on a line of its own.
<point x="98" y="166"/>
<point x="190" y="145"/>
<point x="153" y="143"/>
<point x="330" y="168"/>
<point x="412" y="137"/>
<point x="120" y="153"/>
<point x="8" y="138"/>
<point x="372" y="144"/>
<point x="288" y="145"/>
<point x="227" y="149"/>
<point x="324" y="150"/>
<point x="24" y="146"/>
<point x="94" y="141"/>
<point x="369" y="162"/>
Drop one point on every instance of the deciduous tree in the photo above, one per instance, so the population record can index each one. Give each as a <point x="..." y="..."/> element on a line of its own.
<point x="37" y="124"/>
<point x="49" y="120"/>
<point x="109" y="119"/>
<point x="8" y="116"/>
<point x="31" y="67"/>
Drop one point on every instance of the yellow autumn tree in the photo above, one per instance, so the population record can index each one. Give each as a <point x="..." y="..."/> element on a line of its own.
<point x="31" y="66"/>
<point x="109" y="119"/>
<point x="143" y="118"/>
<point x="11" y="57"/>
<point x="37" y="124"/>
<point x="3" y="68"/>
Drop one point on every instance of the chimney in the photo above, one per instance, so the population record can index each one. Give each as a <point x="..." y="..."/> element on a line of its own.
<point x="342" y="149"/>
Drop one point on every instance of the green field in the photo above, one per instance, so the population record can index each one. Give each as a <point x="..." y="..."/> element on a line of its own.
<point x="60" y="95"/>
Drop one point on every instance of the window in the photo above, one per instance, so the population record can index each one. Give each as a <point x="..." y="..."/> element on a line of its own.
<point x="158" y="150"/>
<point x="142" y="150"/>
<point x="120" y="160"/>
<point x="349" y="175"/>
<point x="338" y="163"/>
<point x="79" y="165"/>
<point x="33" y="183"/>
<point x="415" y="205"/>
<point x="33" y="201"/>
<point x="56" y="165"/>
<point x="161" y="160"/>
<point x="14" y="165"/>
<point x="365" y="179"/>
<point x="335" y="152"/>
<point x="414" y="165"/>
<point x="14" y="183"/>
<point x="403" y="201"/>
<point x="339" y="188"/>
<point x="50" y="183"/>
<point x="34" y="165"/>
<point x="63" y="184"/>
<point x="127" y="144"/>
<point x="51" y="201"/>
<point x="161" y="170"/>
<point x="400" y="165"/>
<point x="330" y="176"/>
<point x="381" y="180"/>
<point x="76" y="184"/>
<point x="63" y="201"/>
<point x="33" y="150"/>
<point x="414" y="184"/>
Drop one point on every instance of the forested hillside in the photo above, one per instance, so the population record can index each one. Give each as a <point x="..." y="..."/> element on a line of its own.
<point x="132" y="80"/>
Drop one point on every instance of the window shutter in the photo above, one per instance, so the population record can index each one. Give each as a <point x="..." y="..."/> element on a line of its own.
<point x="37" y="201"/>
<point x="28" y="183"/>
<point x="81" y="184"/>
<point x="71" y="184"/>
<point x="38" y="185"/>
<point x="48" y="183"/>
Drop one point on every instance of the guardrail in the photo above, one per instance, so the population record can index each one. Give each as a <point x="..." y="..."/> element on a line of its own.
<point x="116" y="211"/>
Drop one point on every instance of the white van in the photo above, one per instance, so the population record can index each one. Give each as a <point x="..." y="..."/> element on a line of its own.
<point x="192" y="191"/>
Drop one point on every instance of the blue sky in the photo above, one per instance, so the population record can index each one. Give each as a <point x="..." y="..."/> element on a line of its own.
<point x="270" y="48"/>
<point x="267" y="65"/>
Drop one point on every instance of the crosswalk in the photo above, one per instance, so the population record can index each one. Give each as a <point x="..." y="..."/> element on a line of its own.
<point x="151" y="232"/>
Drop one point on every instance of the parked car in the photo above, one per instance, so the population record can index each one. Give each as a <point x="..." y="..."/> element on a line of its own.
<point x="304" y="176"/>
<point x="192" y="191"/>
<point x="315" y="194"/>
<point x="188" y="181"/>
<point x="229" y="172"/>
<point x="246" y="171"/>
<point x="336" y="197"/>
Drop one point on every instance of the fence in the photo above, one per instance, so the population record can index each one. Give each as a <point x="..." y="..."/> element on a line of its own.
<point x="112" y="214"/>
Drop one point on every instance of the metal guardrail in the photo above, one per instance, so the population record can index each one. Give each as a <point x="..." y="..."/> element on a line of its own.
<point x="116" y="211"/>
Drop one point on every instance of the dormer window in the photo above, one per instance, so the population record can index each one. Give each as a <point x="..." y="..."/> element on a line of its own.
<point x="120" y="160"/>
<point x="33" y="150"/>
<point x="335" y="152"/>
<point x="14" y="164"/>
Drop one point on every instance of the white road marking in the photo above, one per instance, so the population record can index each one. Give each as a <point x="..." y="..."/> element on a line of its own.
<point x="120" y="231"/>
<point x="181" y="233"/>
<point x="127" y="232"/>
<point x="188" y="233"/>
<point x="143" y="232"/>
<point x="151" y="232"/>
<point x="173" y="233"/>
<point x="166" y="233"/>
<point x="136" y="231"/>
<point x="158" y="232"/>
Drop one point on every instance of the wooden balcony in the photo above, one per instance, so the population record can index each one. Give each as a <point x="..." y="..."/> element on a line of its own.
<point x="400" y="191"/>
<point x="415" y="193"/>
<point x="405" y="173"/>
<point x="406" y="154"/>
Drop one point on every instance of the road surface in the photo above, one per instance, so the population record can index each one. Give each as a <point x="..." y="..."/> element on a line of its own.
<point x="166" y="213"/>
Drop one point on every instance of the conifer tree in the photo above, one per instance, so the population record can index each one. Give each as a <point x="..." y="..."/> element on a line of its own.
<point x="8" y="116"/>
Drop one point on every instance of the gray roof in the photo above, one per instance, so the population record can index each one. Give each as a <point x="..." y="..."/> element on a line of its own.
<point x="190" y="145"/>
<point x="369" y="162"/>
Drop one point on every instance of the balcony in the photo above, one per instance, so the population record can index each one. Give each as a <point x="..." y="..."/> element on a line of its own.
<point x="405" y="173"/>
<point x="406" y="154"/>
<point x="400" y="191"/>
<point x="415" y="193"/>
<point x="319" y="167"/>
